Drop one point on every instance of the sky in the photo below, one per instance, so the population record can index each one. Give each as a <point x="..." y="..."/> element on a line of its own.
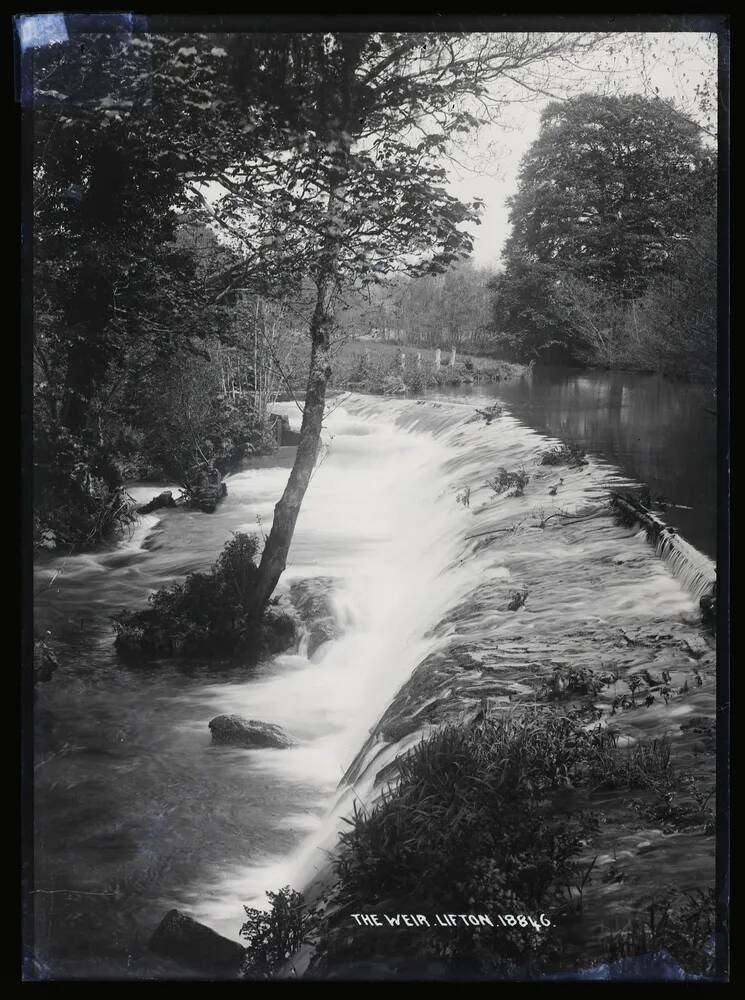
<point x="672" y="64"/>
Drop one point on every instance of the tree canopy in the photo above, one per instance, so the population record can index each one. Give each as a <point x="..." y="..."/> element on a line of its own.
<point x="609" y="186"/>
<point x="614" y="197"/>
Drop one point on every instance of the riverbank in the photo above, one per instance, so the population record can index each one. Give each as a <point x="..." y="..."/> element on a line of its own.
<point x="565" y="650"/>
<point x="443" y="611"/>
<point x="387" y="369"/>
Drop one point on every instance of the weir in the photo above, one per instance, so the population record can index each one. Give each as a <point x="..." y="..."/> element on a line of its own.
<point x="450" y="600"/>
<point x="695" y="570"/>
<point x="436" y="634"/>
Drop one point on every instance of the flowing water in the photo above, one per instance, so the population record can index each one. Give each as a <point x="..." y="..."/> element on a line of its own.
<point x="136" y="812"/>
<point x="660" y="432"/>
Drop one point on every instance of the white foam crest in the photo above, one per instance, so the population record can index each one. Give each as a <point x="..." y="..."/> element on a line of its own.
<point x="381" y="517"/>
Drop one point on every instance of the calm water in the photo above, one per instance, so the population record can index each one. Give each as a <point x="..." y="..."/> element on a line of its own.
<point x="655" y="430"/>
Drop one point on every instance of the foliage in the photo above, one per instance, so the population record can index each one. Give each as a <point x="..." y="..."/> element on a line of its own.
<point x="121" y="301"/>
<point x="517" y="599"/>
<point x="568" y="682"/>
<point x="471" y="828"/>
<point x="509" y="483"/>
<point x="564" y="454"/>
<point x="491" y="818"/>
<point x="683" y="926"/>
<point x="612" y="257"/>
<point x="608" y="186"/>
<point x="446" y="310"/>
<point x="208" y="612"/>
<point x="527" y="324"/>
<point x="275" y="934"/>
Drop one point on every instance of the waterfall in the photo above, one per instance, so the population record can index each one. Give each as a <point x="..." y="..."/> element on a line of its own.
<point x="426" y="559"/>
<point x="696" y="572"/>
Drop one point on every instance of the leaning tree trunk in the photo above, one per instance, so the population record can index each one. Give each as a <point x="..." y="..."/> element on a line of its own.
<point x="274" y="556"/>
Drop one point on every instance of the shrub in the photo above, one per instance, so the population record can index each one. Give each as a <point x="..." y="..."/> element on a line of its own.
<point x="509" y="483"/>
<point x="644" y="765"/>
<point x="484" y="820"/>
<point x="275" y="934"/>
<point x="563" y="454"/>
<point x="568" y="682"/>
<point x="683" y="927"/>
<point x="208" y="612"/>
<point x="472" y="827"/>
<point x="517" y="599"/>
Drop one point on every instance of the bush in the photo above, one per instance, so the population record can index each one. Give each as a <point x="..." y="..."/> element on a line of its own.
<point x="563" y="454"/>
<point x="208" y="612"/>
<point x="683" y="927"/>
<point x="484" y="819"/>
<point x="509" y="483"/>
<point x="275" y="934"/>
<point x="472" y="827"/>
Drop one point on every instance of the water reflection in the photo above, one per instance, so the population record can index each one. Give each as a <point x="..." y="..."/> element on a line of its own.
<point x="657" y="431"/>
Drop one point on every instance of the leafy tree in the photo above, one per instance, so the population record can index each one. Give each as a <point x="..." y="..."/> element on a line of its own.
<point x="527" y="323"/>
<point x="318" y="156"/>
<point x="608" y="186"/>
<point x="358" y="193"/>
<point x="613" y="199"/>
<point x="119" y="123"/>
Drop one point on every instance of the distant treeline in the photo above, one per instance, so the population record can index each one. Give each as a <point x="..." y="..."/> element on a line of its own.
<point x="612" y="258"/>
<point x="447" y="310"/>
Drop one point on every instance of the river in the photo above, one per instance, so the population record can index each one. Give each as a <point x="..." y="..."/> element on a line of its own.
<point x="135" y="811"/>
<point x="658" y="431"/>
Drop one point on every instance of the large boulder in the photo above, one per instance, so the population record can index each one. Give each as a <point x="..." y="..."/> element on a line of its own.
<point x="312" y="597"/>
<point x="322" y="631"/>
<point x="164" y="499"/>
<point x="235" y="731"/>
<point x="196" y="946"/>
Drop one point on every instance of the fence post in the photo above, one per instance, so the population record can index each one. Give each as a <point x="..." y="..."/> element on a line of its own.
<point x="438" y="356"/>
<point x="452" y="358"/>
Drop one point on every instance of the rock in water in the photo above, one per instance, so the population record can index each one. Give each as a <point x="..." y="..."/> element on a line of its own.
<point x="312" y="597"/>
<point x="164" y="499"/>
<point x="233" y="730"/>
<point x="186" y="941"/>
<point x="45" y="662"/>
<point x="313" y="601"/>
<point x="323" y="631"/>
<point x="206" y="498"/>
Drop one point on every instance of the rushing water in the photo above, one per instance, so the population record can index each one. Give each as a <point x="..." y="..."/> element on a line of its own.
<point x="657" y="431"/>
<point x="135" y="811"/>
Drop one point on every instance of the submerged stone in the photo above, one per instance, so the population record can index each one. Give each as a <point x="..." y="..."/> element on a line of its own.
<point x="196" y="946"/>
<point x="45" y="662"/>
<point x="234" y="730"/>
<point x="323" y="631"/>
<point x="312" y="597"/>
<point x="164" y="499"/>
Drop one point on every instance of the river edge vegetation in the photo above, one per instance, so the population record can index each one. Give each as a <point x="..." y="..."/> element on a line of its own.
<point x="506" y="817"/>
<point x="612" y="257"/>
<point x="163" y="317"/>
<point x="158" y="349"/>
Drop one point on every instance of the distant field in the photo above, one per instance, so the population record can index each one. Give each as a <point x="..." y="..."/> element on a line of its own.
<point x="379" y="350"/>
<point x="374" y="366"/>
